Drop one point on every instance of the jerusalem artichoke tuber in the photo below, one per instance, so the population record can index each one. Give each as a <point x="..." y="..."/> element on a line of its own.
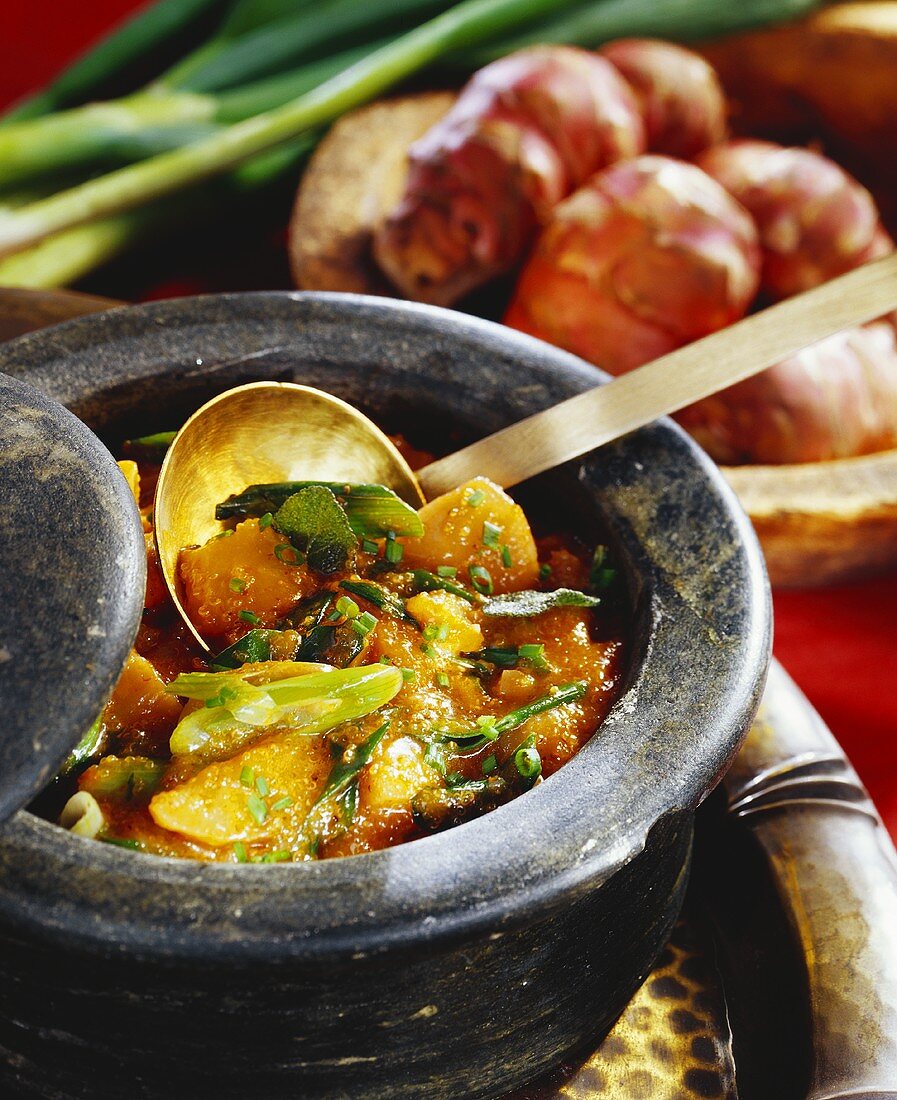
<point x="526" y="131"/>
<point x="683" y="104"/>
<point x="648" y="256"/>
<point x="815" y="220"/>
<point x="832" y="400"/>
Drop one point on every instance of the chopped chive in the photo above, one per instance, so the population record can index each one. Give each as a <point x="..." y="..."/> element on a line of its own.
<point x="544" y="571"/>
<point x="491" y="534"/>
<point x="528" y="762"/>
<point x="282" y="803"/>
<point x="425" y="581"/>
<point x="506" y="559"/>
<point x="287" y="554"/>
<point x="249" y="617"/>
<point x="276" y="857"/>
<point x="364" y="624"/>
<point x="533" y="653"/>
<point x="446" y="571"/>
<point x="442" y="679"/>
<point x="428" y="650"/>
<point x="247" y="777"/>
<point x="436" y="632"/>
<point x="347" y="607"/>
<point x="393" y="551"/>
<point x="490" y="764"/>
<point x="261" y="785"/>
<point x="369" y="547"/>
<point x="257" y="808"/>
<point x="121" y="842"/>
<point x="481" y="579"/>
<point x="408" y="674"/>
<point x="266" y="520"/>
<point x="240" y="852"/>
<point x="475" y="498"/>
<point x="237" y="584"/>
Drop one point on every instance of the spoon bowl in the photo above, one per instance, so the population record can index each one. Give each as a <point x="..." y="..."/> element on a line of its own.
<point x="258" y="433"/>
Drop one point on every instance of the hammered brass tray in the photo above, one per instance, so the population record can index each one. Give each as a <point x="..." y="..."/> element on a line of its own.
<point x="780" y="981"/>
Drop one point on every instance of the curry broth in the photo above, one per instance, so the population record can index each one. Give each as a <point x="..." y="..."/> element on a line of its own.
<point x="446" y="746"/>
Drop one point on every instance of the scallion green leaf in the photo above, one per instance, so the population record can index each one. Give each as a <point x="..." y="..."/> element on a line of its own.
<point x="525" y="605"/>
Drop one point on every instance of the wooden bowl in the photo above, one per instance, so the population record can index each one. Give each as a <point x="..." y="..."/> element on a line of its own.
<point x="831" y="78"/>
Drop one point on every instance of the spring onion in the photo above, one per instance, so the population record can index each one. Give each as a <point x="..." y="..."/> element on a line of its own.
<point x="489" y="729"/>
<point x="305" y="704"/>
<point x="425" y="581"/>
<point x="465" y="25"/>
<point x="373" y="510"/>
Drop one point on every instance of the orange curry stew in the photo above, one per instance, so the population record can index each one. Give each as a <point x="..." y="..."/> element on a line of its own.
<point x="380" y="674"/>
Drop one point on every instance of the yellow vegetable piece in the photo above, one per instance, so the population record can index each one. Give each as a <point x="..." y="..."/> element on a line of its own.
<point x="221" y="804"/>
<point x="241" y="572"/>
<point x="456" y="534"/>
<point x="132" y="476"/>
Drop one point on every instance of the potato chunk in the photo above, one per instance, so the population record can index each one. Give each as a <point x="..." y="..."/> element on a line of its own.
<point x="222" y="803"/>
<point x="140" y="701"/>
<point x="449" y="615"/>
<point x="459" y="531"/>
<point x="240" y="572"/>
<point x="395" y="775"/>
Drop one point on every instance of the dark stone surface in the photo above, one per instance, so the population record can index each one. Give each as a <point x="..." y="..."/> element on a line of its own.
<point x="527" y="929"/>
<point x="72" y="567"/>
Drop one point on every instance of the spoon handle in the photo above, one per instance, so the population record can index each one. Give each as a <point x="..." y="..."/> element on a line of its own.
<point x="582" y="423"/>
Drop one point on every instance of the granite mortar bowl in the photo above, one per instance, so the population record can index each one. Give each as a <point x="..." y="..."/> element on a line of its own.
<point x="463" y="964"/>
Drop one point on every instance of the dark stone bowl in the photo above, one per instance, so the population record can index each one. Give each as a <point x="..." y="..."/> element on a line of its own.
<point x="462" y="964"/>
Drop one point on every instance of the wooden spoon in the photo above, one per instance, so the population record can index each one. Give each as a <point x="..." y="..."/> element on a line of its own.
<point x="274" y="431"/>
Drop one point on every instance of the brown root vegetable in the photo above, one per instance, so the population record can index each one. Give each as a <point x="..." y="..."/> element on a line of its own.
<point x="833" y="400"/>
<point x="683" y="104"/>
<point x="648" y="256"/>
<point x="525" y="132"/>
<point x="815" y="220"/>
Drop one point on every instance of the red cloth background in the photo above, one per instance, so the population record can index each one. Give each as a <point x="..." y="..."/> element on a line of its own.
<point x="839" y="644"/>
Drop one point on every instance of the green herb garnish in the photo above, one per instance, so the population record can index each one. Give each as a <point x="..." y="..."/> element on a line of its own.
<point x="601" y="574"/>
<point x="149" y="447"/>
<point x="314" y="522"/>
<point x="380" y="597"/>
<point x="373" y="511"/>
<point x="525" y="605"/>
<point x="307" y="705"/>
<point x="249" y="617"/>
<point x="364" y="624"/>
<point x="481" y="579"/>
<point x="424" y="581"/>
<point x="489" y="729"/>
<point x="257" y="808"/>
<point x="531" y="655"/>
<point x="287" y="554"/>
